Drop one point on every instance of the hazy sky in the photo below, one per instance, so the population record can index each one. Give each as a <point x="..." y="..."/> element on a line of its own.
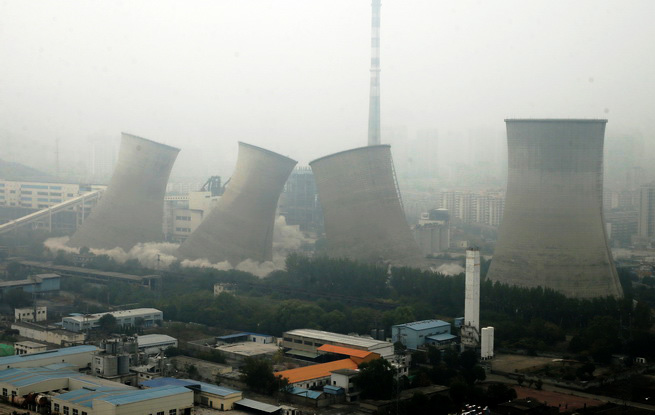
<point x="292" y="75"/>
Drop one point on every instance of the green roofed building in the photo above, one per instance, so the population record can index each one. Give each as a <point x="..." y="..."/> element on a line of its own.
<point x="6" y="350"/>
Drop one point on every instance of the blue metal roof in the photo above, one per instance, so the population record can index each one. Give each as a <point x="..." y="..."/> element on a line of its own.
<point x="441" y="337"/>
<point x="11" y="360"/>
<point x="424" y="324"/>
<point x="305" y="392"/>
<point x="204" y="387"/>
<point x="259" y="406"/>
<point x="333" y="390"/>
<point x="144" y="394"/>
<point x="85" y="396"/>
<point x="28" y="376"/>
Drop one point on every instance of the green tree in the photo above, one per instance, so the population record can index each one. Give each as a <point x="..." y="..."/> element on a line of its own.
<point x="258" y="375"/>
<point x="107" y="323"/>
<point x="376" y="379"/>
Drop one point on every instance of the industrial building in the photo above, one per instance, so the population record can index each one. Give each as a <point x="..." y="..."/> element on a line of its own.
<point x="314" y="376"/>
<point x="28" y="347"/>
<point x="205" y="394"/>
<point x="77" y="356"/>
<point x="363" y="213"/>
<point x="419" y="333"/>
<point x="147" y="316"/>
<point x="240" y="227"/>
<point x="155" y="343"/>
<point x="21" y="198"/>
<point x="184" y="213"/>
<point x="553" y="231"/>
<point x="132" y="208"/>
<point x="30" y="314"/>
<point x="487" y="343"/>
<point x="35" y="284"/>
<point x="306" y="342"/>
<point x="48" y="334"/>
<point x="485" y="208"/>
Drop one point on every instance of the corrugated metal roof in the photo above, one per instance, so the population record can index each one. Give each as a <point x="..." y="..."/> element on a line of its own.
<point x="315" y="371"/>
<point x="259" y="406"/>
<point x="424" y="324"/>
<point x="442" y="337"/>
<point x="55" y="353"/>
<point x="204" y="387"/>
<point x="148" y="339"/>
<point x="145" y="394"/>
<point x="307" y="393"/>
<point x="344" y="350"/>
<point x="338" y="338"/>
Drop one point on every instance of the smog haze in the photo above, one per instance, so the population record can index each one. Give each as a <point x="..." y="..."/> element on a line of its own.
<point x="293" y="76"/>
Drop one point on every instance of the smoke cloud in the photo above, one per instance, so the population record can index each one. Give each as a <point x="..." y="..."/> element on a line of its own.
<point x="450" y="269"/>
<point x="286" y="239"/>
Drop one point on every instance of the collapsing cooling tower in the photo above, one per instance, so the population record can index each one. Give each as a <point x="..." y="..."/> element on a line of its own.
<point x="363" y="214"/>
<point x="132" y="208"/>
<point x="240" y="227"/>
<point x="553" y="234"/>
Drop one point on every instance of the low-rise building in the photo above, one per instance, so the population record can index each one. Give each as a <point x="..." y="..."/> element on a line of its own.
<point x="418" y="333"/>
<point x="205" y="394"/>
<point x="245" y="338"/>
<point x="31" y="314"/>
<point x="78" y="356"/>
<point x="314" y="376"/>
<point x="48" y="334"/>
<point x="305" y="343"/>
<point x="35" y="284"/>
<point x="28" y="347"/>
<point x="146" y="317"/>
<point x="152" y="344"/>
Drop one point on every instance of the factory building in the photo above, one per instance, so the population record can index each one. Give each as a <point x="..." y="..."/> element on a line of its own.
<point x="306" y="342"/>
<point x="148" y="317"/>
<point x="132" y="208"/>
<point x="419" y="333"/>
<point x="487" y="343"/>
<point x="205" y="394"/>
<point x="28" y="347"/>
<point x="151" y="344"/>
<point x="31" y="314"/>
<point x="363" y="213"/>
<point x="184" y="213"/>
<point x="48" y="334"/>
<point x="77" y="356"/>
<point x="240" y="227"/>
<point x="299" y="201"/>
<point x="553" y="231"/>
<point x="35" y="284"/>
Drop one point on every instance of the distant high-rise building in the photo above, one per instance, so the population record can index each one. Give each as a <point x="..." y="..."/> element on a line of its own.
<point x="299" y="201"/>
<point x="647" y="211"/>
<point x="553" y="231"/>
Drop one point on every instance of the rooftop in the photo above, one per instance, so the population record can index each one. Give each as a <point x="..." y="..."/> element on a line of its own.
<point x="204" y="387"/>
<point x="137" y="312"/>
<point x="337" y="338"/>
<point x="329" y="348"/>
<point x="34" y="279"/>
<point x="20" y="377"/>
<point x="55" y="353"/>
<point x="248" y="348"/>
<point x="441" y="337"/>
<point x="154" y="339"/>
<point x="316" y="371"/>
<point x="307" y="393"/>
<point x="424" y="324"/>
<point x="119" y="396"/>
<point x="259" y="406"/>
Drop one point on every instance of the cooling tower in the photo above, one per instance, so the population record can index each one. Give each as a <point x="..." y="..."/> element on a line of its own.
<point x="553" y="234"/>
<point x="240" y="227"/>
<point x="132" y="208"/>
<point x="363" y="215"/>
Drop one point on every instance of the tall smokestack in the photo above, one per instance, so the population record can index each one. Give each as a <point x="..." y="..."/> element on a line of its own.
<point x="362" y="210"/>
<point x="240" y="227"/>
<point x="374" y="99"/>
<point x="472" y="302"/>
<point x="132" y="209"/>
<point x="553" y="231"/>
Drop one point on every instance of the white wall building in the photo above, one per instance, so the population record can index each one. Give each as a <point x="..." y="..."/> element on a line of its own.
<point x="149" y="317"/>
<point x="470" y="331"/>
<point x="28" y="313"/>
<point x="28" y="347"/>
<point x="78" y="356"/>
<point x="155" y="343"/>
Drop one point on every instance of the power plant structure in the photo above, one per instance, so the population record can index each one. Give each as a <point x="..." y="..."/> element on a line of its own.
<point x="470" y="330"/>
<point x="374" y="96"/>
<point x="553" y="231"/>
<point x="132" y="208"/>
<point x="362" y="209"/>
<point x="240" y="227"/>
